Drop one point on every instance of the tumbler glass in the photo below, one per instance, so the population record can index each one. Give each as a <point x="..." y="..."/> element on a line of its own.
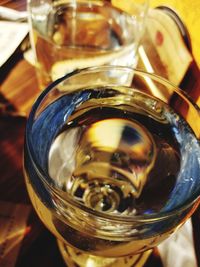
<point x="74" y="34"/>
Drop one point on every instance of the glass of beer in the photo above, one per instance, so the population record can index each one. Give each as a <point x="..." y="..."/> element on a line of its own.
<point x="74" y="34"/>
<point x="112" y="163"/>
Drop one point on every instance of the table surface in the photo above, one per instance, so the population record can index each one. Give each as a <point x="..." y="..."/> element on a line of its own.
<point x="39" y="247"/>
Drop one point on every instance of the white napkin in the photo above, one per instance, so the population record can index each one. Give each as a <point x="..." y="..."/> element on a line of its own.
<point x="178" y="249"/>
<point x="11" y="36"/>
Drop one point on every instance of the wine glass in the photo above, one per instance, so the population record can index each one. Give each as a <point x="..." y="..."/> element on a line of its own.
<point x="112" y="163"/>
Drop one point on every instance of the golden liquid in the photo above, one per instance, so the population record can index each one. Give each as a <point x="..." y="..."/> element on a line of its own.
<point x="104" y="135"/>
<point x="88" y="243"/>
<point x="71" y="38"/>
<point x="138" y="132"/>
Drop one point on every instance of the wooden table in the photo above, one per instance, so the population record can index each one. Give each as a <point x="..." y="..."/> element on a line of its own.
<point x="18" y="81"/>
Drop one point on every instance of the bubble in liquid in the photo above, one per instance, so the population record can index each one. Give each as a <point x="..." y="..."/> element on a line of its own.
<point x="113" y="159"/>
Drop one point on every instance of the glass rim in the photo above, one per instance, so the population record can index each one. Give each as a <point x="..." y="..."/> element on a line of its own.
<point x="158" y="216"/>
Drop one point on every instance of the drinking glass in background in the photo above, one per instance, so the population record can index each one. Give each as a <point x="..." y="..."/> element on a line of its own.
<point x="112" y="165"/>
<point x="74" y="34"/>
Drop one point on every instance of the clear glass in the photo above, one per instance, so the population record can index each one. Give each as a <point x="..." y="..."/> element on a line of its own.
<point x="112" y="160"/>
<point x="74" y="34"/>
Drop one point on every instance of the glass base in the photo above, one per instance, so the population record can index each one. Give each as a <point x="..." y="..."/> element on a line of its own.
<point x="75" y="258"/>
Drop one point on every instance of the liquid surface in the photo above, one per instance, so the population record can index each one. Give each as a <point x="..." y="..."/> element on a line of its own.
<point x="120" y="158"/>
<point x="68" y="36"/>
